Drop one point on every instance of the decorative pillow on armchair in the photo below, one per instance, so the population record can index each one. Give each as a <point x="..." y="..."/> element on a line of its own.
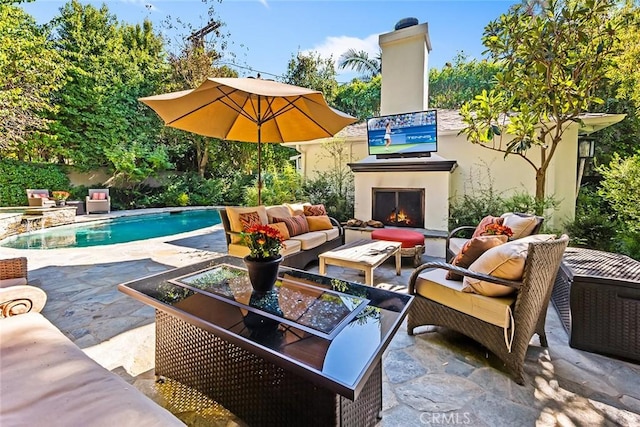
<point x="472" y="250"/>
<point x="522" y="226"/>
<point x="487" y="220"/>
<point x="505" y="261"/>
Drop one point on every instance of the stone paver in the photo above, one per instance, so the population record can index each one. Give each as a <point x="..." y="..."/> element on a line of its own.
<point x="436" y="377"/>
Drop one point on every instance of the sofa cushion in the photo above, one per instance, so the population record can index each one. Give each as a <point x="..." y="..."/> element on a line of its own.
<point x="47" y="377"/>
<point x="331" y="234"/>
<point x="296" y="224"/>
<point x="249" y="219"/>
<point x="233" y="213"/>
<point x="318" y="223"/>
<point x="278" y="211"/>
<point x="311" y="239"/>
<point x="297" y="208"/>
<point x="314" y="210"/>
<point x="472" y="250"/>
<point x="505" y="261"/>
<point x="282" y="228"/>
<point x="433" y="284"/>
<point x="522" y="226"/>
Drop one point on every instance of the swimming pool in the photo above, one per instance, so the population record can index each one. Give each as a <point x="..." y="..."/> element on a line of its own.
<point x="117" y="230"/>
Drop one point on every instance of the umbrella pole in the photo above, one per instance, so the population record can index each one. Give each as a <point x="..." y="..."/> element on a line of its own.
<point x="259" y="166"/>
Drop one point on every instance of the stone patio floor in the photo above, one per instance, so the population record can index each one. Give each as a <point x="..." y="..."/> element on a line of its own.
<point x="437" y="377"/>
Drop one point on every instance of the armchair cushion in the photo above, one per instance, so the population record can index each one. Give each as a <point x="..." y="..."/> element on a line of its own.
<point x="505" y="261"/>
<point x="434" y="285"/>
<point x="472" y="250"/>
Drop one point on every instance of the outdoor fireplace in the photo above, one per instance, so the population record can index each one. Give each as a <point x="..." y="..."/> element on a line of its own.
<point x="400" y="207"/>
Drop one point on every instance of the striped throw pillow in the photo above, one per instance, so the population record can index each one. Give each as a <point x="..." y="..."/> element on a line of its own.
<point x="296" y="224"/>
<point x="314" y="210"/>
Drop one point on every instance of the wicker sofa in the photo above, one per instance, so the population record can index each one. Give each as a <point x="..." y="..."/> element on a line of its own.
<point x="503" y="324"/>
<point x="299" y="250"/>
<point x="48" y="380"/>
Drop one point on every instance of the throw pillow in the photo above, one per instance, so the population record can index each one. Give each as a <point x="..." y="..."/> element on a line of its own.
<point x="486" y="221"/>
<point x="472" y="250"/>
<point x="296" y="224"/>
<point x="296" y="208"/>
<point x="277" y="211"/>
<point x="233" y="213"/>
<point x="505" y="261"/>
<point x="95" y="196"/>
<point x="282" y="228"/>
<point x="314" y="210"/>
<point x="249" y="219"/>
<point x="317" y="223"/>
<point x="522" y="226"/>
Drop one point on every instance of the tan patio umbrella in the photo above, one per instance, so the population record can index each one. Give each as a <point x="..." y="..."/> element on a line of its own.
<point x="250" y="110"/>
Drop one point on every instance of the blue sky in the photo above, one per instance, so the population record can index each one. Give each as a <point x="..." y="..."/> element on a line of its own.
<point x="264" y="34"/>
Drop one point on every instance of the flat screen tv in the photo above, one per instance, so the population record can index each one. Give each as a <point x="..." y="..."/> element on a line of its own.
<point x="403" y="135"/>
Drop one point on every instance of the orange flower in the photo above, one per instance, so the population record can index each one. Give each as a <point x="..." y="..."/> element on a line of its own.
<point x="264" y="242"/>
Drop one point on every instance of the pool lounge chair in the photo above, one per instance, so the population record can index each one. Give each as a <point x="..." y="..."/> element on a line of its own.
<point x="98" y="200"/>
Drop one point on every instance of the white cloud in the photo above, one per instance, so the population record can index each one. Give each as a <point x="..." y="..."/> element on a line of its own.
<point x="337" y="45"/>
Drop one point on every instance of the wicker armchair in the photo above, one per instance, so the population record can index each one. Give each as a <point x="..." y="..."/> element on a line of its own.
<point x="98" y="200"/>
<point x="528" y="308"/>
<point x="13" y="271"/>
<point x="40" y="198"/>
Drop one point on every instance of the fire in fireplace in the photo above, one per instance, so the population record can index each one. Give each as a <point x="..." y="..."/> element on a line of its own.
<point x="401" y="207"/>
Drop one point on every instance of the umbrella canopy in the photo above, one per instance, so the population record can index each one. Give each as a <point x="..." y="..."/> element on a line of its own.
<point x="250" y="110"/>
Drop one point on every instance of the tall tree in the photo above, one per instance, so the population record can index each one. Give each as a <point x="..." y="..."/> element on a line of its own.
<point x="31" y="70"/>
<point x="110" y="66"/>
<point x="359" y="98"/>
<point x="312" y="71"/>
<point x="553" y="62"/>
<point x="459" y="81"/>
<point x="360" y="62"/>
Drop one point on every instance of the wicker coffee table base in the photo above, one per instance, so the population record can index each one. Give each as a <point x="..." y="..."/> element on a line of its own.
<point x="255" y="390"/>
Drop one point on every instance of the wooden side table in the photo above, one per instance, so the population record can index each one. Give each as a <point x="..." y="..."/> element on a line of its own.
<point x="78" y="204"/>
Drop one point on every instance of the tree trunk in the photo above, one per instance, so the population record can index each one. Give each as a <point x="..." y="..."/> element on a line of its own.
<point x="203" y="160"/>
<point x="541" y="178"/>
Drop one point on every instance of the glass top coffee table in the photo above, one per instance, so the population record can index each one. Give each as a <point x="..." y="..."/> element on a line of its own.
<point x="307" y="353"/>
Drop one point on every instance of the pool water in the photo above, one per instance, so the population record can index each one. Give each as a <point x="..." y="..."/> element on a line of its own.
<point x="118" y="230"/>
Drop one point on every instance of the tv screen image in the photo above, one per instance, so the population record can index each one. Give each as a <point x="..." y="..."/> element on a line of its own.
<point x="409" y="134"/>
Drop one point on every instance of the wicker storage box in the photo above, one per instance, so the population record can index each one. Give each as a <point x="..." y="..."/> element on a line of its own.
<point x="597" y="295"/>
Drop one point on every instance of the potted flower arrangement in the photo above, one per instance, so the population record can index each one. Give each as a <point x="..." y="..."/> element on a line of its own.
<point x="264" y="257"/>
<point x="60" y="197"/>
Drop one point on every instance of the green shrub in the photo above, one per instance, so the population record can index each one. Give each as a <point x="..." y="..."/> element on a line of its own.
<point x="594" y="226"/>
<point x="278" y="187"/>
<point x="17" y="176"/>
<point x="336" y="197"/>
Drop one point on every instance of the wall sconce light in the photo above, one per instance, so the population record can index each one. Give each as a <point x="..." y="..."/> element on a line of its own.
<point x="586" y="150"/>
<point x="586" y="147"/>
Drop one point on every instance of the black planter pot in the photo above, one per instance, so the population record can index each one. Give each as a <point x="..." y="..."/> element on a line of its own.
<point x="262" y="273"/>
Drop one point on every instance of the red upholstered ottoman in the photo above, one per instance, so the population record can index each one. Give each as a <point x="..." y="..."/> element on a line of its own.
<point x="412" y="241"/>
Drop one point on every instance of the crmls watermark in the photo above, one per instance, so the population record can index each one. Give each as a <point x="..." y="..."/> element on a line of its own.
<point x="445" y="418"/>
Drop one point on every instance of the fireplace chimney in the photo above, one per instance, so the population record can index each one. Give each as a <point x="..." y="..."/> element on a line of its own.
<point x="405" y="68"/>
